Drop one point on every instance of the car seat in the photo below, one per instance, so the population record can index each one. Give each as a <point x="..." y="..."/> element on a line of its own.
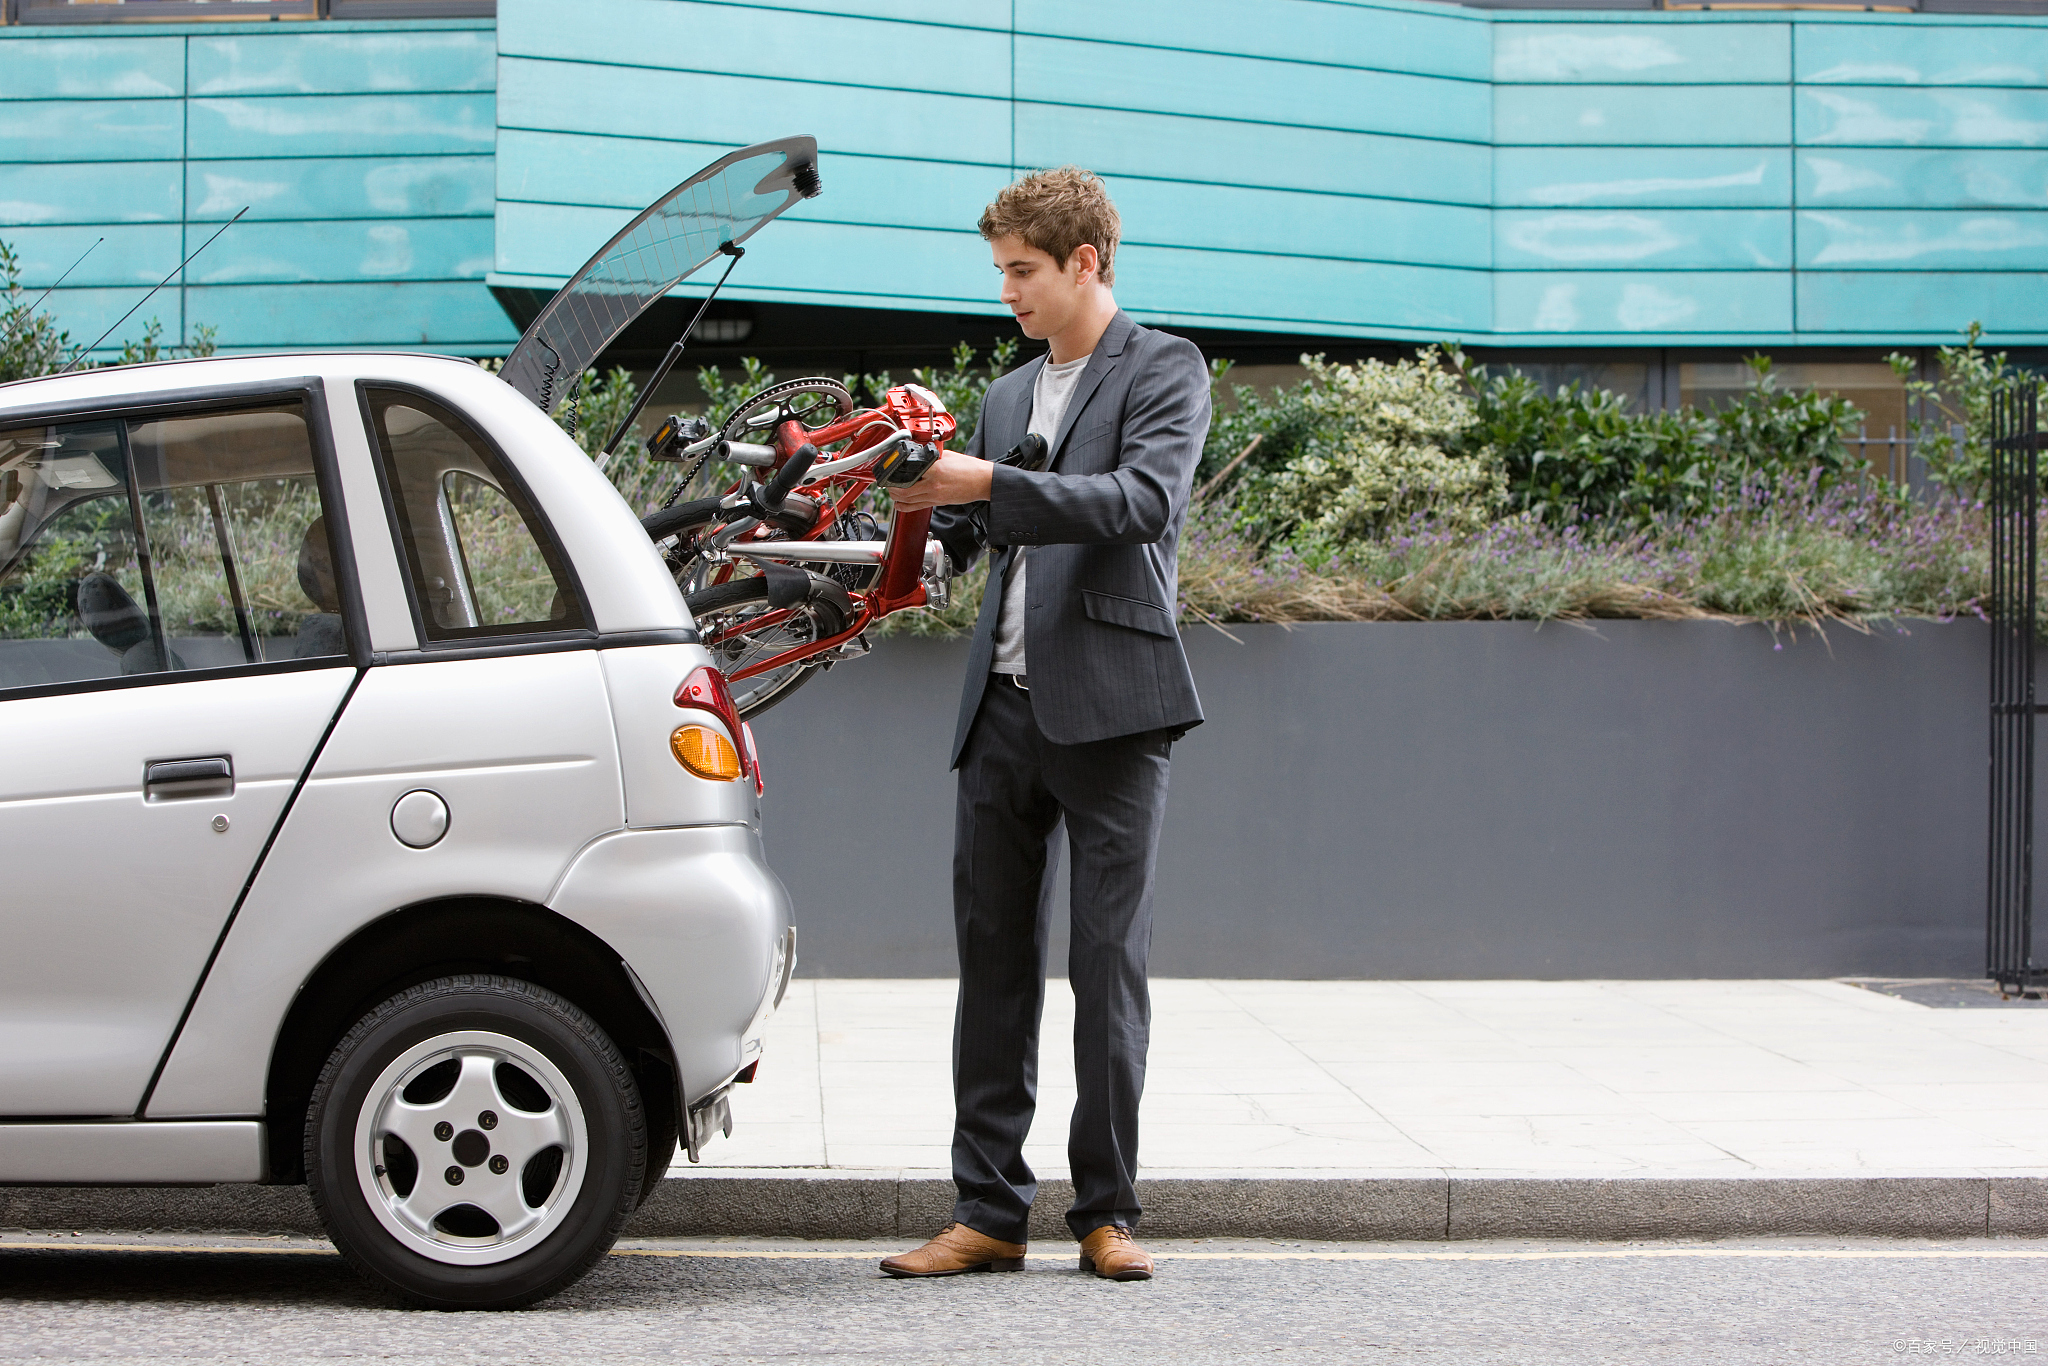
<point x="320" y="633"/>
<point x="117" y="623"/>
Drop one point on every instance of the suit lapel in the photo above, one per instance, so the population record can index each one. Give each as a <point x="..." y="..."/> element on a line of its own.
<point x="1107" y="352"/>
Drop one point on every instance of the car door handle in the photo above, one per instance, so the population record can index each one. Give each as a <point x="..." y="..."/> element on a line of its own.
<point x="174" y="779"/>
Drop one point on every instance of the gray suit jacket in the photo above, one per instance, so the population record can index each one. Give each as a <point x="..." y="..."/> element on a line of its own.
<point x="1100" y="638"/>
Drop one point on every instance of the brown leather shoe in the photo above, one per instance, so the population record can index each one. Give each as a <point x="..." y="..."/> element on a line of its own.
<point x="1112" y="1254"/>
<point x="957" y="1248"/>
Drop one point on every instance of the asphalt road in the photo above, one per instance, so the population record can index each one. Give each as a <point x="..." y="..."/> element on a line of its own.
<point x="743" y="1300"/>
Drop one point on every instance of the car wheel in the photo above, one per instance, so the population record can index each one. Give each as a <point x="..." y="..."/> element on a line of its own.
<point x="475" y="1143"/>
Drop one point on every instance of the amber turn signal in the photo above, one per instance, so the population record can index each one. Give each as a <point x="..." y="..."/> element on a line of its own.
<point x="705" y="753"/>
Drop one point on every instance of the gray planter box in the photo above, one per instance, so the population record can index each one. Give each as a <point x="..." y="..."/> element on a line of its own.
<point x="1463" y="800"/>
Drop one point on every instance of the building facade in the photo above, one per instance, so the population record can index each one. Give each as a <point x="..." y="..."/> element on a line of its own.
<point x="1631" y="195"/>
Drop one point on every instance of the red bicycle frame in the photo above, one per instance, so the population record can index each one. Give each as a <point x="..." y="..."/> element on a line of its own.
<point x="899" y="582"/>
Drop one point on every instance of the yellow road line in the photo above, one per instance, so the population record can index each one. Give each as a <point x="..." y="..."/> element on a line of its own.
<point x="81" y="1246"/>
<point x="1333" y="1255"/>
<point x="1589" y="1254"/>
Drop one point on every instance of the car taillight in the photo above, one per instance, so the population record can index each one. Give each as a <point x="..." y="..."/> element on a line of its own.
<point x="706" y="753"/>
<point x="705" y="690"/>
<point x="753" y="758"/>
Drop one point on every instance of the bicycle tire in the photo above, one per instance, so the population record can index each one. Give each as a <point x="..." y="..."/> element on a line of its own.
<point x="758" y="694"/>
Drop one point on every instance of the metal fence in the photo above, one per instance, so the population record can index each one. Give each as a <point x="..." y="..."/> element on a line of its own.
<point x="2015" y="533"/>
<point x="1897" y="457"/>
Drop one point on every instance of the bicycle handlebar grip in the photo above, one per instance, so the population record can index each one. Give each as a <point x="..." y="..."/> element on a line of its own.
<point x="671" y="520"/>
<point x="778" y="489"/>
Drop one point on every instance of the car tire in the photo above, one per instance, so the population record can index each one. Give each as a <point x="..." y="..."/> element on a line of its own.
<point x="475" y="1142"/>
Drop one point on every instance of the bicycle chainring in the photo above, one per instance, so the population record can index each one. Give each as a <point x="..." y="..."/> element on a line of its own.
<point x="815" y="402"/>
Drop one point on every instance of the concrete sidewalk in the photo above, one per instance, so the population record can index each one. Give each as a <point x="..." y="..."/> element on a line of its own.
<point x="1417" y="1109"/>
<point x="1378" y="1110"/>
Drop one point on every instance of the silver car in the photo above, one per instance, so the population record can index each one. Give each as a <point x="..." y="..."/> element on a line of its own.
<point x="372" y="815"/>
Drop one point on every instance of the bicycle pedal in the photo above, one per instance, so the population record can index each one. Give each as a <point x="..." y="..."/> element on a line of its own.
<point x="907" y="463"/>
<point x="673" y="435"/>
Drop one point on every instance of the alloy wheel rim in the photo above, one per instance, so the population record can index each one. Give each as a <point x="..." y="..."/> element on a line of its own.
<point x="471" y="1147"/>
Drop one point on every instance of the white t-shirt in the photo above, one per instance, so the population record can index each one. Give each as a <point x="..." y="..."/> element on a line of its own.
<point x="1049" y="399"/>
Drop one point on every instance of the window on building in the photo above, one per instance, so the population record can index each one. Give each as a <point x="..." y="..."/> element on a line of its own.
<point x="1870" y="385"/>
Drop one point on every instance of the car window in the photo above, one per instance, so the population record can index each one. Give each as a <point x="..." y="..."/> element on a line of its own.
<point x="163" y="544"/>
<point x="472" y="545"/>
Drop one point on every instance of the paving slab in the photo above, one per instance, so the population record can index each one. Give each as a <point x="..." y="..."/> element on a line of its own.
<point x="1379" y="1110"/>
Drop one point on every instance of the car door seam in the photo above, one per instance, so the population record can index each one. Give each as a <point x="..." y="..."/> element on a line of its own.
<point x="263" y="856"/>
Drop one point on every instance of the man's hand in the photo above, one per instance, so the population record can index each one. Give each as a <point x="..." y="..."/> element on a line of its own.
<point x="954" y="479"/>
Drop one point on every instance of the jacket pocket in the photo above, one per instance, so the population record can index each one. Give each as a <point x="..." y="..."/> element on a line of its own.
<point x="1131" y="612"/>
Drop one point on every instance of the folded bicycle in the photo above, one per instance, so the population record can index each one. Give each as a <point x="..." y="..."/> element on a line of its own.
<point x="786" y="573"/>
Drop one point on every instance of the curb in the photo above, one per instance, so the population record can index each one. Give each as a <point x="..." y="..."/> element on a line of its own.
<point x="1337" y="1207"/>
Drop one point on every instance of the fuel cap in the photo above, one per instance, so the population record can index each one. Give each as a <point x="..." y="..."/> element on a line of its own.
<point x="419" y="818"/>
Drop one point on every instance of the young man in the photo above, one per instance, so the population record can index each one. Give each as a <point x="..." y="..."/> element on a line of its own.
<point x="1076" y="689"/>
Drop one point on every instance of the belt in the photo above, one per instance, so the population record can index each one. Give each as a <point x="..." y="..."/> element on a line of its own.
<point x="1019" y="680"/>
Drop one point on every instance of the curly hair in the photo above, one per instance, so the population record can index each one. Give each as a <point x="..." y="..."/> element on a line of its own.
<point x="1057" y="211"/>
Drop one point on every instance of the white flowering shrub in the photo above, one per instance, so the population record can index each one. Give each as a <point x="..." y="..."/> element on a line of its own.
<point x="1378" y="444"/>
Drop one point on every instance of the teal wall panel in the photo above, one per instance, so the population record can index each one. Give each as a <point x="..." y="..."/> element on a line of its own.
<point x="1423" y="40"/>
<point x="1345" y="167"/>
<point x="1932" y="304"/>
<point x="1880" y="53"/>
<point x="1647" y="177"/>
<point x="342" y="187"/>
<point x="1642" y="53"/>
<point x="1871" y="116"/>
<point x="1639" y="239"/>
<point x="1897" y="177"/>
<point x="90" y="192"/>
<point x="1277" y="222"/>
<point x="993" y="14"/>
<point x="1641" y="115"/>
<point x="986" y="14"/>
<point x="1261" y="155"/>
<point x="1561" y="304"/>
<point x="343" y="63"/>
<point x="735" y="111"/>
<point x="631" y="173"/>
<point x="1294" y="294"/>
<point x="129" y="67"/>
<point x="341" y="125"/>
<point x="852" y="55"/>
<point x="363" y="151"/>
<point x="1895" y="240"/>
<point x="86" y="313"/>
<point x="131" y="254"/>
<point x="91" y="130"/>
<point x="947" y="271"/>
<point x="1208" y="85"/>
<point x="456" y="317"/>
<point x="355" y="249"/>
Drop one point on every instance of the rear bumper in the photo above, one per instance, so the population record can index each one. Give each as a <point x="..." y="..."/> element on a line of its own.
<point x="704" y="924"/>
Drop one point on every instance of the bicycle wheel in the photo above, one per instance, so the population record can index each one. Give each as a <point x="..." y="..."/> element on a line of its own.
<point x="722" y="611"/>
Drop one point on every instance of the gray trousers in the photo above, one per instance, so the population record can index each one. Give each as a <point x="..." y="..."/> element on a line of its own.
<point x="1016" y="787"/>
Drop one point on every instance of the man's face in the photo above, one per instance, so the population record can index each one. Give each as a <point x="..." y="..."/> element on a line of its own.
<point x="1044" y="297"/>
